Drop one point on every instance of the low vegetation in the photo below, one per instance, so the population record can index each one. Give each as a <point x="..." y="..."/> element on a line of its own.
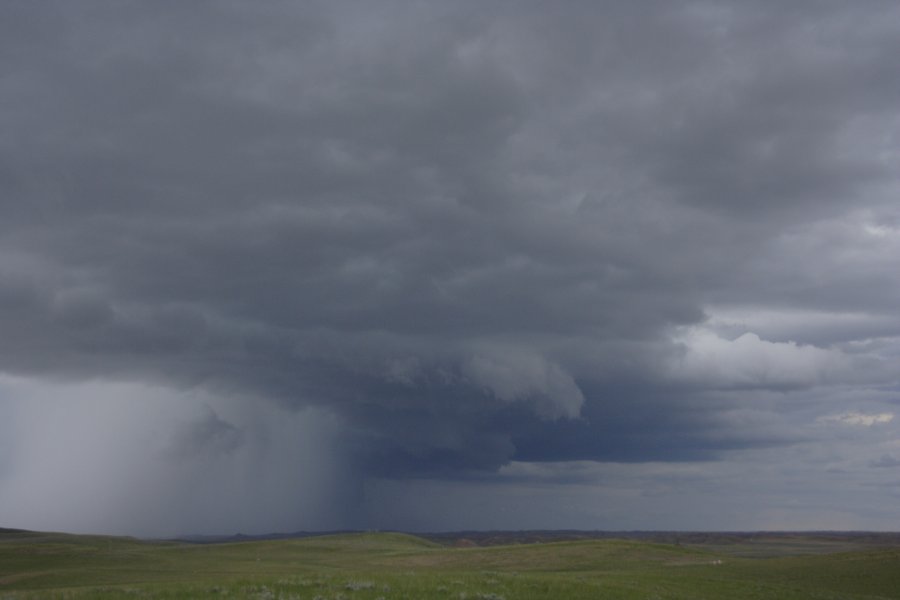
<point x="391" y="566"/>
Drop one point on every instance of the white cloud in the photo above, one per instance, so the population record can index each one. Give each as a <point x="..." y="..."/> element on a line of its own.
<point x="806" y="326"/>
<point x="858" y="418"/>
<point x="751" y="361"/>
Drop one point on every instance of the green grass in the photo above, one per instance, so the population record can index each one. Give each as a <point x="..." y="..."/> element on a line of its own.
<point x="402" y="567"/>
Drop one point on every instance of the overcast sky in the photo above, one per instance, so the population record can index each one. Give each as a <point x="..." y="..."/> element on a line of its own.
<point x="283" y="265"/>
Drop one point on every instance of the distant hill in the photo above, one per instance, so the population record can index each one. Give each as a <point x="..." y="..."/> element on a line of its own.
<point x="502" y="538"/>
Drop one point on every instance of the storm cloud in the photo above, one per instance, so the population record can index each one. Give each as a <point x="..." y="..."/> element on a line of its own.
<point x="365" y="264"/>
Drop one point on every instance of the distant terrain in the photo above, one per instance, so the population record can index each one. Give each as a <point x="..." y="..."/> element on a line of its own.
<point x="456" y="566"/>
<point x="731" y="542"/>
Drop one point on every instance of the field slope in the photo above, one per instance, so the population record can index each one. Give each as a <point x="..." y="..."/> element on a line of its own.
<point x="398" y="566"/>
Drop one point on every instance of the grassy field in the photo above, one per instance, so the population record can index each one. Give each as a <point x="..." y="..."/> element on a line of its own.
<point x="392" y="566"/>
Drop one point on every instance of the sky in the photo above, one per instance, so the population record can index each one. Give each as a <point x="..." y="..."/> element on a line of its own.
<point x="281" y="266"/>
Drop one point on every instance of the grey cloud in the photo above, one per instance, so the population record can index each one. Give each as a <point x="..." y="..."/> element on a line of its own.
<point x="475" y="234"/>
<point x="208" y="434"/>
<point x="512" y="376"/>
<point x="152" y="461"/>
<point x="886" y="461"/>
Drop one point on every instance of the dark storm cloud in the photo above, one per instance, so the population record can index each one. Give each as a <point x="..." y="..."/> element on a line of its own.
<point x="476" y="234"/>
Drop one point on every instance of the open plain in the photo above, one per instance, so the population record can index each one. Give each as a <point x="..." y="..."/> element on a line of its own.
<point x="393" y="566"/>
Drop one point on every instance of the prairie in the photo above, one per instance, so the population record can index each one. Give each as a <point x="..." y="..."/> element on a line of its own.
<point x="372" y="566"/>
